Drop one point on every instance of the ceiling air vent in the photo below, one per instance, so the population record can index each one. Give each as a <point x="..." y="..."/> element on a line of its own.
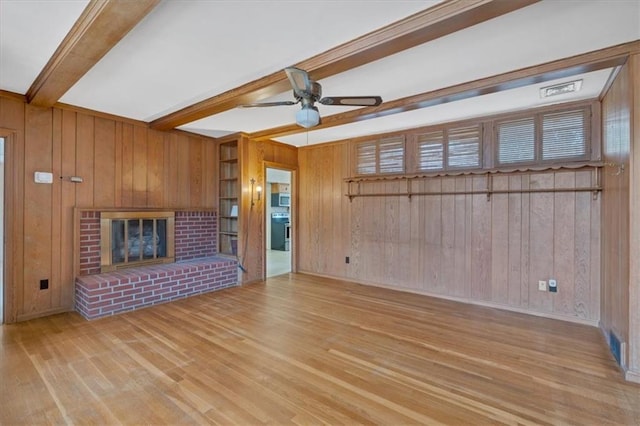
<point x="561" y="89"/>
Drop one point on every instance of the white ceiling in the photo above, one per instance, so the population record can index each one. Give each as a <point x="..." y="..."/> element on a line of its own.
<point x="186" y="51"/>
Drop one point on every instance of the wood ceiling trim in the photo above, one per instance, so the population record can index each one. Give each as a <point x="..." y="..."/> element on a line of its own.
<point x="101" y="26"/>
<point x="440" y="20"/>
<point x="592" y="61"/>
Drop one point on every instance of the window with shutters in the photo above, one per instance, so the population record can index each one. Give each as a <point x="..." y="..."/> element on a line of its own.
<point x="551" y="135"/>
<point x="430" y="155"/>
<point x="563" y="135"/>
<point x="544" y="137"/>
<point x="383" y="156"/>
<point x="456" y="148"/>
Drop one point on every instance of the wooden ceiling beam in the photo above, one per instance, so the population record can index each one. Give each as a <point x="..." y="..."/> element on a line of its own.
<point x="593" y="61"/>
<point x="102" y="24"/>
<point x="430" y="24"/>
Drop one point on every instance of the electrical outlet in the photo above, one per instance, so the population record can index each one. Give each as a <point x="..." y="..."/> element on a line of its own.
<point x="553" y="286"/>
<point x="542" y="285"/>
<point x="346" y="259"/>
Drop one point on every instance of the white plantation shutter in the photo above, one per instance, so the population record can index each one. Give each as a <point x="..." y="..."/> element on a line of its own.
<point x="464" y="147"/>
<point x="430" y="148"/>
<point x="516" y="141"/>
<point x="563" y="135"/>
<point x="366" y="158"/>
<point x="391" y="155"/>
<point x="381" y="156"/>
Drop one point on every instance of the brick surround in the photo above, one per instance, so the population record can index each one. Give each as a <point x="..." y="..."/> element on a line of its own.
<point x="89" y="243"/>
<point x="197" y="269"/>
<point x="133" y="288"/>
<point x="196" y="234"/>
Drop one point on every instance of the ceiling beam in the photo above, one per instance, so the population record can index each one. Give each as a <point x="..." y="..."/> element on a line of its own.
<point x="102" y="24"/>
<point x="443" y="19"/>
<point x="592" y="61"/>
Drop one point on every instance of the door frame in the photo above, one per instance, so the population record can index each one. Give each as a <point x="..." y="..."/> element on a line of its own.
<point x="293" y="214"/>
<point x="7" y="286"/>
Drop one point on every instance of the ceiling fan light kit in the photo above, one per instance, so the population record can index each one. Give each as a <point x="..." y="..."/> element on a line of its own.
<point x="307" y="92"/>
<point x="308" y="116"/>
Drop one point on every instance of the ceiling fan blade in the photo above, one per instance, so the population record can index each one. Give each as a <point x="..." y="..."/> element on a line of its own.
<point x="267" y="104"/>
<point x="352" y="100"/>
<point x="299" y="81"/>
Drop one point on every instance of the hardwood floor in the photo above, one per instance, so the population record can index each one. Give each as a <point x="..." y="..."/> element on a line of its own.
<point x="306" y="350"/>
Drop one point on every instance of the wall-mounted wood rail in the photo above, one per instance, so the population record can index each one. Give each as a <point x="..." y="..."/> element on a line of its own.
<point x="352" y="192"/>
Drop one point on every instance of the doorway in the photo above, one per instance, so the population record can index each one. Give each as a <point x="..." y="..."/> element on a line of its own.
<point x="278" y="237"/>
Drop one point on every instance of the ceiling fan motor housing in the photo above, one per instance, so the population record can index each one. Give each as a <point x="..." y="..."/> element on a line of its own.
<point x="312" y="95"/>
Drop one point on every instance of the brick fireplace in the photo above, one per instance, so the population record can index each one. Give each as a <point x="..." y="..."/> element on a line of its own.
<point x="197" y="268"/>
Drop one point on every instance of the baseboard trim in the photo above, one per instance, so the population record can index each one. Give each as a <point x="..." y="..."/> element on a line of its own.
<point x="591" y="323"/>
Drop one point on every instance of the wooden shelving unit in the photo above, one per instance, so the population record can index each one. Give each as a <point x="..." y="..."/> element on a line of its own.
<point x="228" y="198"/>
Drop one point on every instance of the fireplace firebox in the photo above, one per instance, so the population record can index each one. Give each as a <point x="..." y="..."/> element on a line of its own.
<point x="130" y="239"/>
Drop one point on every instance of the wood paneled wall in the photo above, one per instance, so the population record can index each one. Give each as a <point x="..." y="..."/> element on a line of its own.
<point x="456" y="246"/>
<point x="616" y="107"/>
<point x="254" y="155"/>
<point x="621" y="214"/>
<point x="122" y="164"/>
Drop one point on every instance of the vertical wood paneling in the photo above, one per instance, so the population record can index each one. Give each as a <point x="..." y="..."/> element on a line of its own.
<point x="155" y="163"/>
<point x="140" y="162"/>
<point x="564" y="244"/>
<point x="514" y="243"/>
<point x="541" y="237"/>
<point x="500" y="244"/>
<point x="104" y="163"/>
<point x="56" y="207"/>
<point x="171" y="171"/>
<point x="127" y="165"/>
<point x="462" y="246"/>
<point x="84" y="160"/>
<point x="37" y="202"/>
<point x="620" y="302"/>
<point x="447" y="261"/>
<point x="210" y="173"/>
<point x="480" y="242"/>
<point x="525" y="247"/>
<point x="196" y="161"/>
<point x="117" y="154"/>
<point x="182" y="166"/>
<point x="461" y="275"/>
<point x="68" y="202"/>
<point x="342" y="209"/>
<point x="582" y="248"/>
<point x="432" y="237"/>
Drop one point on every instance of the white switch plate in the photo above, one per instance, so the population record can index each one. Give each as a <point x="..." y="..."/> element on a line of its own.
<point x="43" y="177"/>
<point x="542" y="285"/>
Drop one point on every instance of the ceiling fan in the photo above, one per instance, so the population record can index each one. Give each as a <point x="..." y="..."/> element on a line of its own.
<point x="308" y="92"/>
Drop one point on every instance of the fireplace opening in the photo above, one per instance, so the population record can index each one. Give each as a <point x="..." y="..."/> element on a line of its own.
<point x="136" y="238"/>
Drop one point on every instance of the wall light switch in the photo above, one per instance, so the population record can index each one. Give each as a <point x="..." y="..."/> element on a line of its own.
<point x="542" y="285"/>
<point x="43" y="177"/>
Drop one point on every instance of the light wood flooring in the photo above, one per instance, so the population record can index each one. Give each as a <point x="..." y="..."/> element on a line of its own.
<point x="306" y="350"/>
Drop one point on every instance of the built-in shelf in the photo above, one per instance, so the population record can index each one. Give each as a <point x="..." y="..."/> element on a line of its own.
<point x="228" y="190"/>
